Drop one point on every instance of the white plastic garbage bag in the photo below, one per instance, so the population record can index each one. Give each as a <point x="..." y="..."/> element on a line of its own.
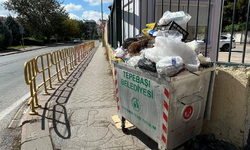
<point x="179" y="17"/>
<point x="142" y="53"/>
<point x="133" y="61"/>
<point x="204" y="60"/>
<point x="152" y="54"/>
<point x="119" y="52"/>
<point x="165" y="46"/>
<point x="194" y="45"/>
<point x="170" y="34"/>
<point x="169" y="65"/>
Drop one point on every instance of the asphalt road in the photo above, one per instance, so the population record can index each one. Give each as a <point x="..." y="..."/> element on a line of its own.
<point x="13" y="89"/>
<point x="236" y="54"/>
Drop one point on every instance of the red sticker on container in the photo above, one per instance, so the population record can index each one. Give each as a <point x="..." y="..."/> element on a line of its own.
<point x="188" y="112"/>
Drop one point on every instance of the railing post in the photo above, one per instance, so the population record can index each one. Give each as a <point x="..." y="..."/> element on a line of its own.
<point x="232" y="31"/>
<point x="34" y="81"/>
<point x="43" y="73"/>
<point x="30" y="79"/>
<point x="49" y="66"/>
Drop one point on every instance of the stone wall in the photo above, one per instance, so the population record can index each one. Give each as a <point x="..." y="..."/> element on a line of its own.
<point x="229" y="119"/>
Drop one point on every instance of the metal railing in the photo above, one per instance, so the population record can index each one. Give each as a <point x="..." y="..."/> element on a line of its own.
<point x="206" y="14"/>
<point x="45" y="67"/>
<point x="115" y="24"/>
<point x="62" y="60"/>
<point x="30" y="79"/>
<point x="120" y="13"/>
<point x="232" y="32"/>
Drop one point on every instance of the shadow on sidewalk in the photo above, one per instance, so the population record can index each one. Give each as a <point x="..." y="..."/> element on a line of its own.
<point x="142" y="137"/>
<point x="55" y="106"/>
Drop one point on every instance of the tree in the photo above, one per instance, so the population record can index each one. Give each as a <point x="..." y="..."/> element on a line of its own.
<point x="82" y="28"/>
<point x="40" y="17"/>
<point x="70" y="28"/>
<point x="240" y="13"/>
<point x="237" y="27"/>
<point x="93" y="32"/>
<point x="1" y="41"/>
<point x="6" y="35"/>
<point x="14" y="27"/>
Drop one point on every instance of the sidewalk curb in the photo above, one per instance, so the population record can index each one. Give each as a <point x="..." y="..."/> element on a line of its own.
<point x="31" y="49"/>
<point x="22" y="51"/>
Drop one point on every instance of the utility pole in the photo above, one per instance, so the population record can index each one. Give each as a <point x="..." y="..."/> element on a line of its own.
<point x="102" y="26"/>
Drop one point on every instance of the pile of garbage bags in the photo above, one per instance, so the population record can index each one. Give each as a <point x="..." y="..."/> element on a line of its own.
<point x="163" y="49"/>
<point x="208" y="142"/>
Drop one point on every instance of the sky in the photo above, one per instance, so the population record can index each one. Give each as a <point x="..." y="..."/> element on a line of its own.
<point x="77" y="9"/>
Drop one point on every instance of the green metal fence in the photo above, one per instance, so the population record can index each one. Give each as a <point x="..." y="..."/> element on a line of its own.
<point x="118" y="17"/>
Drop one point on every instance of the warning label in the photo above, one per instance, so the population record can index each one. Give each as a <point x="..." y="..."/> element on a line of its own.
<point x="188" y="112"/>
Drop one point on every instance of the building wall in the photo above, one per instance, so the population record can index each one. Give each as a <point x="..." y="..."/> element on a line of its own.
<point x="239" y="36"/>
<point x="229" y="119"/>
<point x="91" y="26"/>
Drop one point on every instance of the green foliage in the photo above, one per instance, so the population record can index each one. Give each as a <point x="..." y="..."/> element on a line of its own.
<point x="43" y="20"/>
<point x="82" y="28"/>
<point x="70" y="28"/>
<point x="1" y="40"/>
<point x="41" y="17"/>
<point x="32" y="41"/>
<point x="14" y="27"/>
<point x="53" y="40"/>
<point x="95" y="36"/>
<point x="240" y="26"/>
<point x="39" y="37"/>
<point x="237" y="27"/>
<point x="18" y="47"/>
<point x="201" y="29"/>
<point x="6" y="35"/>
<point x="240" y="13"/>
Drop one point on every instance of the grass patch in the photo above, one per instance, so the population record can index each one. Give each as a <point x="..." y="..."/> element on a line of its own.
<point x="18" y="47"/>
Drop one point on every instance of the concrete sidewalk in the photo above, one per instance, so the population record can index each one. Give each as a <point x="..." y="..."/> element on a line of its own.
<point x="77" y="115"/>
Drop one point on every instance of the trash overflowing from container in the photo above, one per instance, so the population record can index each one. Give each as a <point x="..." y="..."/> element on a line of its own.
<point x="209" y="142"/>
<point x="165" y="84"/>
<point x="164" y="44"/>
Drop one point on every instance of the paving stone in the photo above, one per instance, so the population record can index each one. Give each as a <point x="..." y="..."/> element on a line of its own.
<point x="43" y="143"/>
<point x="88" y="98"/>
<point x="32" y="131"/>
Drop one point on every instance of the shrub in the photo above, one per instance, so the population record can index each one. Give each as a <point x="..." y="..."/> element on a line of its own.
<point x="33" y="42"/>
<point x="52" y="40"/>
<point x="14" y="27"/>
<point x="95" y="36"/>
<point x="40" y="38"/>
<point x="1" y="40"/>
<point x="237" y="27"/>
